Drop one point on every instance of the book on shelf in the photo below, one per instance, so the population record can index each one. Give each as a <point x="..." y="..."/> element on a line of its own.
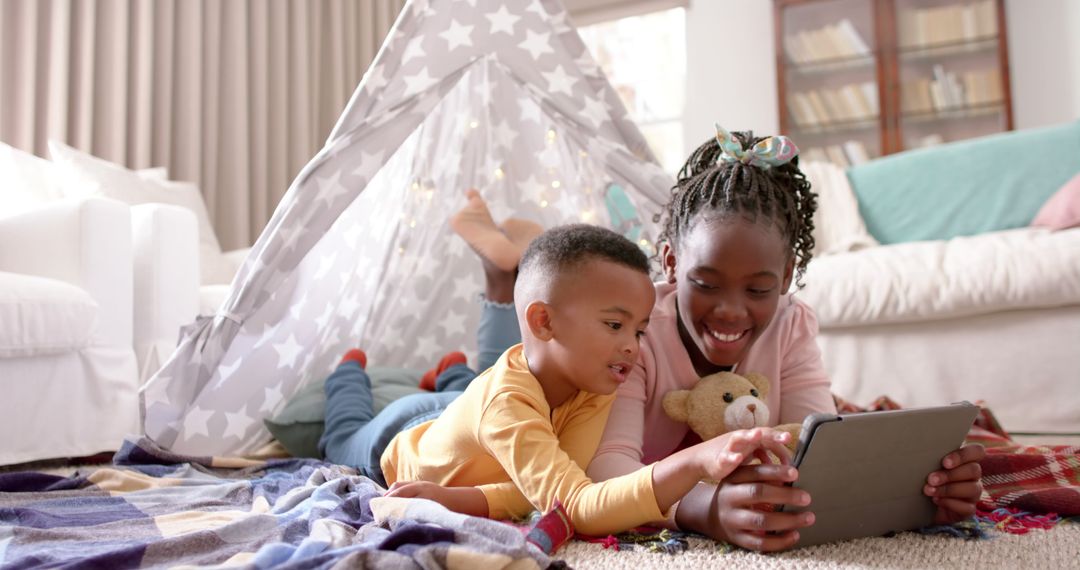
<point x="833" y="41"/>
<point x="849" y="153"/>
<point x="820" y="107"/>
<point x="946" y="90"/>
<point x="951" y="23"/>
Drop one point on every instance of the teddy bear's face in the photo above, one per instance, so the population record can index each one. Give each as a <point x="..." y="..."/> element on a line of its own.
<point x="720" y="403"/>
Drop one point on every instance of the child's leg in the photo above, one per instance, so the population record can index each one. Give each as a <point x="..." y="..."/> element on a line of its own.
<point x="349" y="408"/>
<point x="455" y="379"/>
<point x="366" y="446"/>
<point x="498" y="330"/>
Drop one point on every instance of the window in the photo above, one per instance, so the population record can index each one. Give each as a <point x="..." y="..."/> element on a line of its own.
<point x="644" y="58"/>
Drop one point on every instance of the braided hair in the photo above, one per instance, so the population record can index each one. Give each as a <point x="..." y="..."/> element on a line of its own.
<point x="782" y="194"/>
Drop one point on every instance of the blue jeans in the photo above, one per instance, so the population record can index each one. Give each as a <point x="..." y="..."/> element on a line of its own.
<point x="353" y="435"/>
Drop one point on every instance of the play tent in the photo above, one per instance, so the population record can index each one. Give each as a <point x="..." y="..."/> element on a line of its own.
<point x="498" y="95"/>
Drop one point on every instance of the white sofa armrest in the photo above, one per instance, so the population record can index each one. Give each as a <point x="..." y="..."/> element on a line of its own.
<point x="166" y="265"/>
<point x="85" y="242"/>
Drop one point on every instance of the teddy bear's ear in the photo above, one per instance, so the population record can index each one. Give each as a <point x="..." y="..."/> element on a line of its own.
<point x="760" y="381"/>
<point x="676" y="405"/>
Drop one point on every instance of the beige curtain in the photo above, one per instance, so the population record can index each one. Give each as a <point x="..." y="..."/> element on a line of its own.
<point x="234" y="95"/>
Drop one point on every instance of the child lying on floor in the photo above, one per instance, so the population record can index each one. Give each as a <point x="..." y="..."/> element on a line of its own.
<point x="520" y="436"/>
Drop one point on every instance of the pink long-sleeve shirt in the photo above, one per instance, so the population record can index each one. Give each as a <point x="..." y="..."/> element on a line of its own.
<point x="638" y="432"/>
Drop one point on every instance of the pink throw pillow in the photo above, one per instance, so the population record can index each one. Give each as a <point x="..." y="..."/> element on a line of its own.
<point x="1062" y="210"/>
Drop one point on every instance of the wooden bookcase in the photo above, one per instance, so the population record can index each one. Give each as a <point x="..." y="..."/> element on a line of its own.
<point x="859" y="79"/>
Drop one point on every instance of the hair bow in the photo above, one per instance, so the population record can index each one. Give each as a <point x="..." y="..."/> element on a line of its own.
<point x="767" y="153"/>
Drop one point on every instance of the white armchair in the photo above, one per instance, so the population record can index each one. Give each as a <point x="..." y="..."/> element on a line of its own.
<point x="68" y="372"/>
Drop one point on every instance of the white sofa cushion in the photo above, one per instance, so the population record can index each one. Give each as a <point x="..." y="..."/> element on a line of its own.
<point x="40" y="316"/>
<point x="26" y="181"/>
<point x="86" y="175"/>
<point x="838" y="226"/>
<point x="918" y="281"/>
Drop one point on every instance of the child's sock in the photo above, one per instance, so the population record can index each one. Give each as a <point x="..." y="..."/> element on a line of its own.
<point x="475" y="225"/>
<point x="427" y="381"/>
<point x="355" y="355"/>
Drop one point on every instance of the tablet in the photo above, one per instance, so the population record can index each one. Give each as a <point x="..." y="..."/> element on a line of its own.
<point x="865" y="472"/>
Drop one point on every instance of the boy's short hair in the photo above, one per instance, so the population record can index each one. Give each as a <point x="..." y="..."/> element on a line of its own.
<point x="564" y="248"/>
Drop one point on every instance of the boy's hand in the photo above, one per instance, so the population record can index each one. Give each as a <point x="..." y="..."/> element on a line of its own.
<point x="464" y="500"/>
<point x="725" y="453"/>
<point x="957" y="488"/>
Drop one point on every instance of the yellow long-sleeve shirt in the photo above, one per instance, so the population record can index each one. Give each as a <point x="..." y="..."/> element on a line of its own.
<point x="502" y="437"/>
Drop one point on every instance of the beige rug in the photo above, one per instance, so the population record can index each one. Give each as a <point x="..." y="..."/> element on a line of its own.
<point x="1056" y="548"/>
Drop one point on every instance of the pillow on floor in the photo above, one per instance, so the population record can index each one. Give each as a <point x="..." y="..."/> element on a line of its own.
<point x="300" y="424"/>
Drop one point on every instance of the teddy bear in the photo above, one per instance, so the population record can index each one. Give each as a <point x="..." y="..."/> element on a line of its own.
<point x="723" y="402"/>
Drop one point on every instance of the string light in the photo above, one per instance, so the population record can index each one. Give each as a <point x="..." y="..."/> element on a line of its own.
<point x="583" y="154"/>
<point x="416" y="185"/>
<point x="499" y="174"/>
<point x="474" y="123"/>
<point x="551" y="135"/>
<point x="412" y="223"/>
<point x="555" y="184"/>
<point x="586" y="216"/>
<point x="543" y="203"/>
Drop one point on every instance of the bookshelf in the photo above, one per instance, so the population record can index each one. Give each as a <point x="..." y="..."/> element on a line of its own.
<point x="859" y="79"/>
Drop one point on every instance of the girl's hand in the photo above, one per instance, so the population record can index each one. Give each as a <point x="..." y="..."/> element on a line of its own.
<point x="742" y="510"/>
<point x="464" y="500"/>
<point x="957" y="488"/>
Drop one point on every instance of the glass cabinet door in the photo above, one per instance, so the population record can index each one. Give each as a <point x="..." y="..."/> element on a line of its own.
<point x="829" y="76"/>
<point x="951" y="71"/>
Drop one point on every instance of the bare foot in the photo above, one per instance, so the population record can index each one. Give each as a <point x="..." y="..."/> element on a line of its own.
<point x="475" y="225"/>
<point x="521" y="232"/>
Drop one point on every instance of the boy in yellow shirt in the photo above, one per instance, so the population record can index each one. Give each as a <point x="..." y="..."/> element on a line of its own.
<point x="520" y="436"/>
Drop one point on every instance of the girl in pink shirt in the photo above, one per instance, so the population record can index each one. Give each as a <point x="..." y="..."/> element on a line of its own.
<point x="736" y="233"/>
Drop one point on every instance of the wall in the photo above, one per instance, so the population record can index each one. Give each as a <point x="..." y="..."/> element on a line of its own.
<point x="731" y="70"/>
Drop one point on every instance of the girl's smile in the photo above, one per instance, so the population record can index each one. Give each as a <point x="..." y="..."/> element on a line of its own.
<point x="730" y="273"/>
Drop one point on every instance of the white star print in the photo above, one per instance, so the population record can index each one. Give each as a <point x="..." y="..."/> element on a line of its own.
<point x="532" y="189"/>
<point x="322" y="320"/>
<point x="502" y="21"/>
<point x="504" y="134"/>
<point x="559" y="81"/>
<point x="237" y="424"/>
<point x="452" y="324"/>
<point x="457" y="36"/>
<point x="272" y="395"/>
<point x="413" y="50"/>
<point x="287" y="352"/>
<point x="536" y="44"/>
<point x="331" y="188"/>
<point x="419" y="82"/>
<point x="224" y="372"/>
<point x="465" y="287"/>
<point x="530" y="111"/>
<point x="425" y="348"/>
<point x="369" y="164"/>
<point x="195" y="422"/>
<point x="595" y="111"/>
<point x="326" y="263"/>
<point x="375" y="78"/>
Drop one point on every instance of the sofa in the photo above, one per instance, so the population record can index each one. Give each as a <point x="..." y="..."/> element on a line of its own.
<point x="940" y="289"/>
<point x="68" y="371"/>
<point x="97" y="275"/>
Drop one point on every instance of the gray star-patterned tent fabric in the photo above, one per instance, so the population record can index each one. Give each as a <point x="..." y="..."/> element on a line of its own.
<point x="497" y="95"/>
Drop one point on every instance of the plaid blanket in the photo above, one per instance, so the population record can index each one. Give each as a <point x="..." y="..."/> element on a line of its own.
<point x="154" y="508"/>
<point x="1024" y="479"/>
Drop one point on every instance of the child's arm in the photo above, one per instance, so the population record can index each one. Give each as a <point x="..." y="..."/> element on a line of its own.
<point x="677" y="474"/>
<point x="464" y="500"/>
<point x="956" y="489"/>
